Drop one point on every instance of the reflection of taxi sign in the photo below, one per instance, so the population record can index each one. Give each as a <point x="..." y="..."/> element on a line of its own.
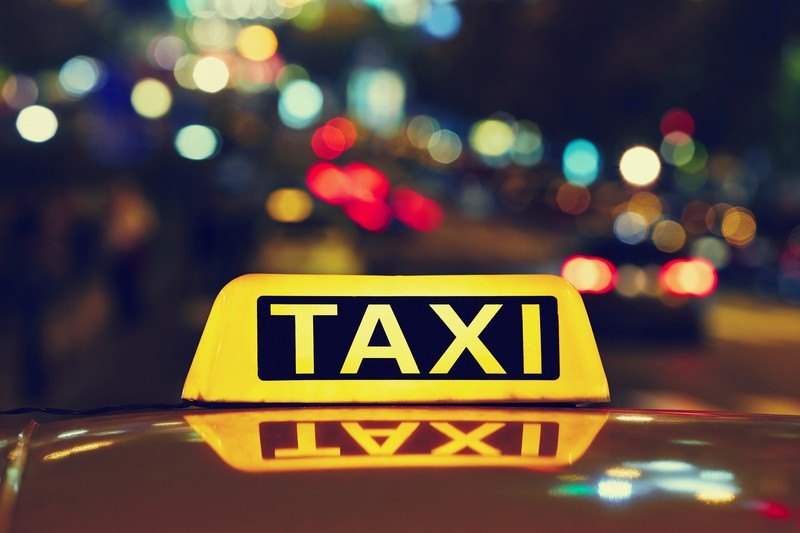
<point x="323" y="339"/>
<point x="325" y="438"/>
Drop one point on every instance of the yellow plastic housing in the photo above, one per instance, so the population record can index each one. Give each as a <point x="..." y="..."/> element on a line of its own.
<point x="225" y="366"/>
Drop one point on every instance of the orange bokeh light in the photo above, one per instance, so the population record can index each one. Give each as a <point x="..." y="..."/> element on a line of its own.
<point x="689" y="277"/>
<point x="593" y="275"/>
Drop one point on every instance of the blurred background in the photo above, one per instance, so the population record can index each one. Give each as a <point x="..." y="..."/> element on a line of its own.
<point x="152" y="150"/>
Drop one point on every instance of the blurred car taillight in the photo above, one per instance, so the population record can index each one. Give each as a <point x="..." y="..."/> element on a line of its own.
<point x="593" y="275"/>
<point x="689" y="277"/>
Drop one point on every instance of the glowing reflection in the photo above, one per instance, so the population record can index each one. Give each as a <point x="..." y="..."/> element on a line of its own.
<point x="330" y="438"/>
<point x="634" y="418"/>
<point x="614" y="490"/>
<point x="72" y="433"/>
<point x="624" y="472"/>
<point x="37" y="124"/>
<point x="82" y="448"/>
<point x="416" y="210"/>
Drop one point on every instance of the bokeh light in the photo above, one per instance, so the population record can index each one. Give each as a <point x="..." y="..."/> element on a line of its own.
<point x="300" y="104"/>
<point x="197" y="142"/>
<point x="376" y="97"/>
<point x="573" y="199"/>
<point x="677" y="120"/>
<point x="374" y="215"/>
<point x="210" y="74"/>
<point x="630" y="228"/>
<point x="289" y="205"/>
<point x="639" y="166"/>
<point x="713" y="249"/>
<point x="443" y="21"/>
<point x="257" y="42"/>
<point x="581" y="162"/>
<point x="444" y="146"/>
<point x="528" y="148"/>
<point x="79" y="76"/>
<point x="677" y="149"/>
<point x="416" y="210"/>
<point x="151" y="98"/>
<point x="593" y="275"/>
<point x="419" y="130"/>
<point x="328" y="142"/>
<point x="631" y="281"/>
<point x="738" y="226"/>
<point x="668" y="236"/>
<point x="491" y="137"/>
<point x="37" y="124"/>
<point x="165" y="51"/>
<point x="689" y="277"/>
<point x="20" y="91"/>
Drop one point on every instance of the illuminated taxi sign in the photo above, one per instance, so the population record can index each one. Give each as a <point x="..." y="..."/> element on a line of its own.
<point x="349" y="339"/>
<point x="321" y="439"/>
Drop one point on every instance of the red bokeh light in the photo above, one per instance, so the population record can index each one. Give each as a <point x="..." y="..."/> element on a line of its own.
<point x="689" y="277"/>
<point x="368" y="183"/>
<point x="328" y="142"/>
<point x="374" y="215"/>
<point x="774" y="510"/>
<point x="347" y="129"/>
<point x="415" y="210"/>
<point x="592" y="275"/>
<point x="677" y="120"/>
<point x="329" y="183"/>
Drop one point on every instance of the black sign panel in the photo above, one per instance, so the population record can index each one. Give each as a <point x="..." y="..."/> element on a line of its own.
<point x="424" y="331"/>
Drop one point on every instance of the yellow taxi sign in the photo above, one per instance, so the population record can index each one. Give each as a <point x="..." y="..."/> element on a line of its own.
<point x="397" y="339"/>
<point x="278" y="440"/>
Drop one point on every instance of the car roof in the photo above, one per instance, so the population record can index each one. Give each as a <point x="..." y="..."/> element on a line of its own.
<point x="174" y="469"/>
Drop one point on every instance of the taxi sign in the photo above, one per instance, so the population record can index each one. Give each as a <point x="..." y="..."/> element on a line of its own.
<point x="397" y="339"/>
<point x="355" y="438"/>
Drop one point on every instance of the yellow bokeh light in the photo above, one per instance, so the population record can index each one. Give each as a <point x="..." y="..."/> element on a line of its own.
<point x="640" y="166"/>
<point x="257" y="42"/>
<point x="646" y="204"/>
<point x="738" y="226"/>
<point x="715" y="495"/>
<point x="491" y="137"/>
<point x="669" y="236"/>
<point x="151" y="98"/>
<point x="624" y="472"/>
<point x="631" y="281"/>
<point x="211" y="74"/>
<point x="289" y="205"/>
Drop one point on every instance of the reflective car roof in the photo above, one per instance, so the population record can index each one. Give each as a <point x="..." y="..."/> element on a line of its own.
<point x="403" y="469"/>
